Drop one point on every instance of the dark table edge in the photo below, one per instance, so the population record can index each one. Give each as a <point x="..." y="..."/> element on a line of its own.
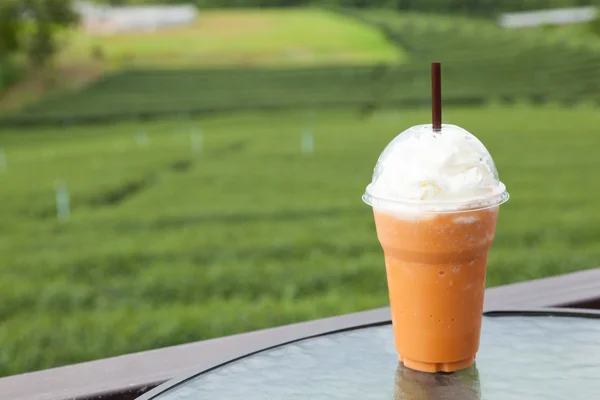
<point x="128" y="376"/>
<point x="545" y="312"/>
<point x="530" y="312"/>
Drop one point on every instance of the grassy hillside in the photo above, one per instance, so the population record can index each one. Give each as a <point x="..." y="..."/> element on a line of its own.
<point x="246" y="37"/>
<point x="482" y="63"/>
<point x="242" y="38"/>
<point x="165" y="246"/>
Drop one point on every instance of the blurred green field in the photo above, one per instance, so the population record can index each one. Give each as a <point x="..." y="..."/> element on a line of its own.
<point x="166" y="247"/>
<point x="573" y="33"/>
<point x="242" y="37"/>
<point x="482" y="63"/>
<point x="271" y="38"/>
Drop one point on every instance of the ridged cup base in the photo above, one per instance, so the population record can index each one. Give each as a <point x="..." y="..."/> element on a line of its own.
<point x="437" y="367"/>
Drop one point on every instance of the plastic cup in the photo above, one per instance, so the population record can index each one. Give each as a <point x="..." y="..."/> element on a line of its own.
<point x="435" y="197"/>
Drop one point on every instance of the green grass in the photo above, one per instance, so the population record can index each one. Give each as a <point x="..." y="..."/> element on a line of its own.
<point x="576" y="34"/>
<point x="251" y="233"/>
<point x="246" y="37"/>
<point x="271" y="38"/>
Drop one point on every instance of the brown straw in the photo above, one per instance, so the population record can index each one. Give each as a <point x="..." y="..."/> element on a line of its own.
<point x="436" y="96"/>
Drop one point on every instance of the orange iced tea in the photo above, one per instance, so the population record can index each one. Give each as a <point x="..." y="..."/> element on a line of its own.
<point x="436" y="267"/>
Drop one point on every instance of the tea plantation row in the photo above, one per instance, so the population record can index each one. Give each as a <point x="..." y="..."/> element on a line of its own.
<point x="165" y="246"/>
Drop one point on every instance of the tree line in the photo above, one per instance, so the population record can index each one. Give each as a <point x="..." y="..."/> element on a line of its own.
<point x="478" y="7"/>
<point x="30" y="28"/>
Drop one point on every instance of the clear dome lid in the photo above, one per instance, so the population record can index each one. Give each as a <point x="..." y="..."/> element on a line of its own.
<point x="425" y="170"/>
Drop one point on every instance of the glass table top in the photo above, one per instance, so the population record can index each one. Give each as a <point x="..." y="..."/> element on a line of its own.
<point x="521" y="357"/>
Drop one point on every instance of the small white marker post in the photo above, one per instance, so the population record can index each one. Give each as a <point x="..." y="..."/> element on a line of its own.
<point x="142" y="139"/>
<point x="63" y="202"/>
<point x="307" y="143"/>
<point x="3" y="162"/>
<point x="197" y="142"/>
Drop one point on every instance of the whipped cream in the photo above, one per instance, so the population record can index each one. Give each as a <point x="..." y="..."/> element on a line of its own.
<point x="422" y="167"/>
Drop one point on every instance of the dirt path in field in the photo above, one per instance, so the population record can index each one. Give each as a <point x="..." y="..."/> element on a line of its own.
<point x="39" y="83"/>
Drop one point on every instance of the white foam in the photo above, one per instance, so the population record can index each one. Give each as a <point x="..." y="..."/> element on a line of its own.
<point x="441" y="169"/>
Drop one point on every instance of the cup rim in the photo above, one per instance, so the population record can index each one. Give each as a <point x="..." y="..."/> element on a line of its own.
<point x="476" y="203"/>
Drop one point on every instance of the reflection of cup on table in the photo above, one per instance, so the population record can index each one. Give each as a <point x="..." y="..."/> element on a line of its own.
<point x="416" y="385"/>
<point x="435" y="196"/>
